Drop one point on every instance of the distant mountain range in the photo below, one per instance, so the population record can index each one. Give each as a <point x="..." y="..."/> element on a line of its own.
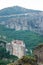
<point x="19" y="18"/>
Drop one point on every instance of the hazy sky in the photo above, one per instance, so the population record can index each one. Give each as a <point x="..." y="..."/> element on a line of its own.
<point x="30" y="4"/>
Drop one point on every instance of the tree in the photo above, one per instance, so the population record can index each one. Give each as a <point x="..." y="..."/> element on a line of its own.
<point x="3" y="53"/>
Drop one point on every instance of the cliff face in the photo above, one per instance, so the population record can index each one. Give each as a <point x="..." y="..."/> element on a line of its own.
<point x="19" y="18"/>
<point x="39" y="52"/>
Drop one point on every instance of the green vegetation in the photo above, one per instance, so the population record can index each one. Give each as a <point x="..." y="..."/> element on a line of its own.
<point x="5" y="57"/>
<point x="4" y="62"/>
<point x="26" y="60"/>
<point x="31" y="39"/>
<point x="3" y="53"/>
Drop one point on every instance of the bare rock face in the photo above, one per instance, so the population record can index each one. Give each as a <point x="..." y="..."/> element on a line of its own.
<point x="19" y="18"/>
<point x="39" y="52"/>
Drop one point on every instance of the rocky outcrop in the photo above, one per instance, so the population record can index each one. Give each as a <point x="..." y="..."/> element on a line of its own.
<point x="25" y="61"/>
<point x="19" y="18"/>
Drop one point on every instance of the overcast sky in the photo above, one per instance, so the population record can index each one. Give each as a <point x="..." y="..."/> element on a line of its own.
<point x="30" y="4"/>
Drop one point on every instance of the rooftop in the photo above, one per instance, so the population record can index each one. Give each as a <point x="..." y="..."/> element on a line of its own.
<point x="17" y="42"/>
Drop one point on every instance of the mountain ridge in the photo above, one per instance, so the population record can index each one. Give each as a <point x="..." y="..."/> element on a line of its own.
<point x="15" y="10"/>
<point x="19" y="18"/>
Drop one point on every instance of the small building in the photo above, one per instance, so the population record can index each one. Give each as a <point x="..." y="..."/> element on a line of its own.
<point x="17" y="48"/>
